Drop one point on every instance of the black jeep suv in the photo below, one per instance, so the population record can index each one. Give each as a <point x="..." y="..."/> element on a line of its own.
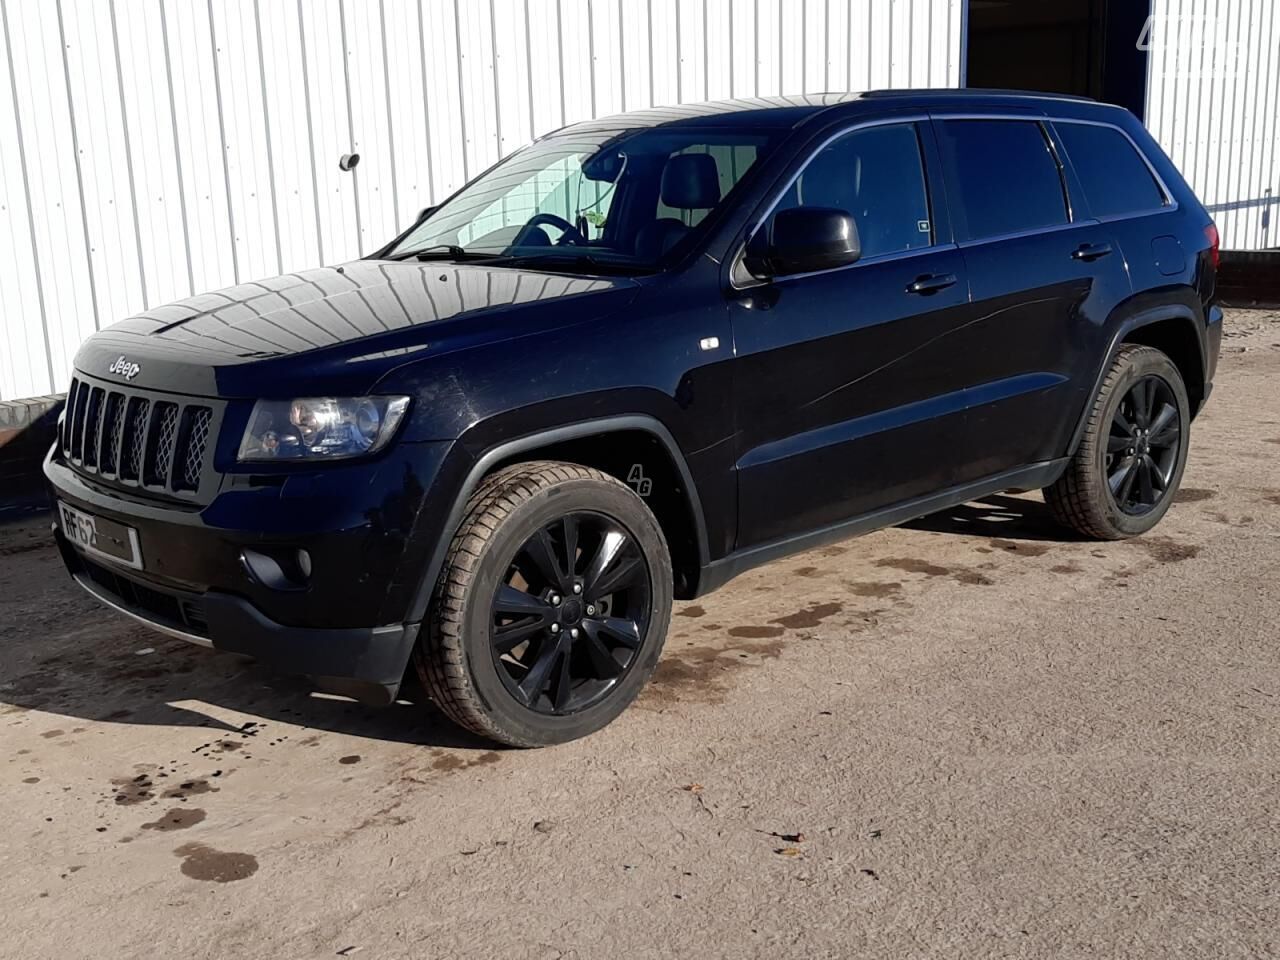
<point x="630" y="361"/>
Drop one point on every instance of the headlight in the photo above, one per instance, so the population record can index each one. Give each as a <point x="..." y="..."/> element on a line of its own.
<point x="321" y="428"/>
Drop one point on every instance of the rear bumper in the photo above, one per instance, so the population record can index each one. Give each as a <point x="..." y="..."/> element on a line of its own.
<point x="364" y="662"/>
<point x="1212" y="348"/>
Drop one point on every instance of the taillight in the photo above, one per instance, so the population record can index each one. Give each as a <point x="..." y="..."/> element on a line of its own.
<point x="1211" y="234"/>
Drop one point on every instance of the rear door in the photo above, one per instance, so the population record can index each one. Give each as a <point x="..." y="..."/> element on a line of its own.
<point x="1044" y="278"/>
<point x="1122" y="191"/>
<point x="847" y="391"/>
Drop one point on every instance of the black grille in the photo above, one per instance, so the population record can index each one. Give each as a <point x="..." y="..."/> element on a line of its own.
<point x="92" y="423"/>
<point x="183" y="613"/>
<point x="138" y="439"/>
<point x="196" y="439"/>
<point x="164" y="431"/>
<point x="112" y="424"/>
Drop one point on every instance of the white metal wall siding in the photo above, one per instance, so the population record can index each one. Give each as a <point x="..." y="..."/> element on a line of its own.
<point x="157" y="148"/>
<point x="1213" y="102"/>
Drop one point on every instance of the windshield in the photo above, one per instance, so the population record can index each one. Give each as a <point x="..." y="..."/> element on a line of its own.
<point x="591" y="202"/>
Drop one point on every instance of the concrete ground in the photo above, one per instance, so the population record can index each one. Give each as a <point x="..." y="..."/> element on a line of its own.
<point x="971" y="737"/>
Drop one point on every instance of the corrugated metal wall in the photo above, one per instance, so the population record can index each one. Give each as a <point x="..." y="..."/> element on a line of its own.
<point x="1213" y="102"/>
<point x="154" y="148"/>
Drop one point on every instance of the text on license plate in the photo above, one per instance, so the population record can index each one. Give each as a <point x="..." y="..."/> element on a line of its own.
<point x="100" y="536"/>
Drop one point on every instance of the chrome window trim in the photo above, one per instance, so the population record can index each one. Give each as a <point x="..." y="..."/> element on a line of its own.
<point x="777" y="198"/>
<point x="1170" y="205"/>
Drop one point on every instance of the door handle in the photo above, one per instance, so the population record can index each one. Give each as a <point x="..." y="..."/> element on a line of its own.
<point x="931" y="283"/>
<point x="1090" y="251"/>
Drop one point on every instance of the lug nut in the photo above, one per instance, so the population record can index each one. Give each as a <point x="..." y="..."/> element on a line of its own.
<point x="577" y="588"/>
<point x="591" y="610"/>
<point x="574" y="633"/>
<point x="555" y="628"/>
<point x="555" y="599"/>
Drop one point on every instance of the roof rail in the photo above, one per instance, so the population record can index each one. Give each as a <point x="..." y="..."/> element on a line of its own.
<point x="976" y="92"/>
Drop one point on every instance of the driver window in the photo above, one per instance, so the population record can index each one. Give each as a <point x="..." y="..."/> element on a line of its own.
<point x="875" y="174"/>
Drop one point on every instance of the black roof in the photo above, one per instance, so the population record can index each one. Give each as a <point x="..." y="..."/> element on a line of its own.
<point x="779" y="113"/>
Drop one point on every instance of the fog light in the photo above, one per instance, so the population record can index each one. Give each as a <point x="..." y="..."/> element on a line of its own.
<point x="286" y="572"/>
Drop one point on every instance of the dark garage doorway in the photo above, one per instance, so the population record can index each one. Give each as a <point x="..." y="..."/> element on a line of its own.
<point x="1085" y="47"/>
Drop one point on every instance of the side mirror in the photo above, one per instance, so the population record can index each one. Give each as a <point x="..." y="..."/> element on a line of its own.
<point x="804" y="239"/>
<point x="424" y="213"/>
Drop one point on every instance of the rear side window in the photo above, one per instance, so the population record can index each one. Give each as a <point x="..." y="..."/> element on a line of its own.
<point x="1001" y="177"/>
<point x="877" y="176"/>
<point x="1115" y="179"/>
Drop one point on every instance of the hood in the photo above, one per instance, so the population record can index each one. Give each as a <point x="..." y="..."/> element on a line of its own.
<point x="344" y="325"/>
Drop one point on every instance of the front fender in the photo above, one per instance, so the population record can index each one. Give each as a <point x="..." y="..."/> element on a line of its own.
<point x="464" y="469"/>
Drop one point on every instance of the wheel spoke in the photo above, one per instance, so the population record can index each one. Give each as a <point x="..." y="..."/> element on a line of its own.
<point x="569" y="528"/>
<point x="539" y="676"/>
<point x="1158" y="480"/>
<point x="1142" y="396"/>
<point x="611" y="545"/>
<point x="1146" y="489"/>
<point x="1121" y="473"/>
<point x="564" y="685"/>
<point x="541" y="551"/>
<point x="517" y="603"/>
<point x="602" y="661"/>
<point x="508" y="636"/>
<point x="1166" y="431"/>
<point x="1126" y="483"/>
<point x="1118" y="444"/>
<point x="1119" y="420"/>
<point x="1164" y="416"/>
<point x="625" y="632"/>
<point x="624" y="573"/>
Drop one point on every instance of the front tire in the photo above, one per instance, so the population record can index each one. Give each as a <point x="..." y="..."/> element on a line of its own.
<point x="552" y="607"/>
<point x="1123" y="476"/>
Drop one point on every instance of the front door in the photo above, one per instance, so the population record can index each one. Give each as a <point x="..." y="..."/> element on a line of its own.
<point x="849" y="390"/>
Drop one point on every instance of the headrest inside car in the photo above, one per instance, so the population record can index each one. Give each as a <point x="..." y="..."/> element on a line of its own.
<point x="690" y="181"/>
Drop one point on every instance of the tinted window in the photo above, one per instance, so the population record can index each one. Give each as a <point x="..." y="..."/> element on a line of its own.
<point x="1114" y="178"/>
<point x="1002" y="177"/>
<point x="877" y="176"/>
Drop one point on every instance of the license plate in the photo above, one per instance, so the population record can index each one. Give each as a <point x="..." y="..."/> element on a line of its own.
<point x="100" y="536"/>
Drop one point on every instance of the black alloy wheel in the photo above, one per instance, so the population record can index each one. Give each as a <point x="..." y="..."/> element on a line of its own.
<point x="571" y="613"/>
<point x="1122" y="475"/>
<point x="552" y="608"/>
<point x="1143" y="445"/>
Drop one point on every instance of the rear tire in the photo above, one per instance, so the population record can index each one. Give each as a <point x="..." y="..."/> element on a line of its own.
<point x="1124" y="474"/>
<point x="552" y="607"/>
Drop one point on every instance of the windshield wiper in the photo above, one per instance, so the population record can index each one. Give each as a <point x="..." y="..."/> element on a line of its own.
<point x="444" y="251"/>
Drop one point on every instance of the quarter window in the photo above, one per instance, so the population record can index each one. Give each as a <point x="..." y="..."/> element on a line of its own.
<point x="1002" y="177"/>
<point x="1115" y="179"/>
<point x="875" y="174"/>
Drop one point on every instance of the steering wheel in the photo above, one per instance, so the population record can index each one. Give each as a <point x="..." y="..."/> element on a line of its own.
<point x="569" y="233"/>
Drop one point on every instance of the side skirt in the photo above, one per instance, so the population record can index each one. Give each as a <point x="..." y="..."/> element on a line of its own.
<point x="1034" y="477"/>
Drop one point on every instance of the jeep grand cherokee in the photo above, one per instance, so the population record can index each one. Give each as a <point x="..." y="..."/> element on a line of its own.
<point x="630" y="361"/>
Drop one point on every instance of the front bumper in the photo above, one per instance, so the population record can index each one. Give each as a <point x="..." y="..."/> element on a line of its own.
<point x="345" y="626"/>
<point x="364" y="662"/>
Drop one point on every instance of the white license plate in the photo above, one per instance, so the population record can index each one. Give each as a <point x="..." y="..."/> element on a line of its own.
<point x="100" y="536"/>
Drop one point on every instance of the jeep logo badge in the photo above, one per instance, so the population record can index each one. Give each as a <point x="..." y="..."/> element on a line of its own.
<point x="124" y="368"/>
